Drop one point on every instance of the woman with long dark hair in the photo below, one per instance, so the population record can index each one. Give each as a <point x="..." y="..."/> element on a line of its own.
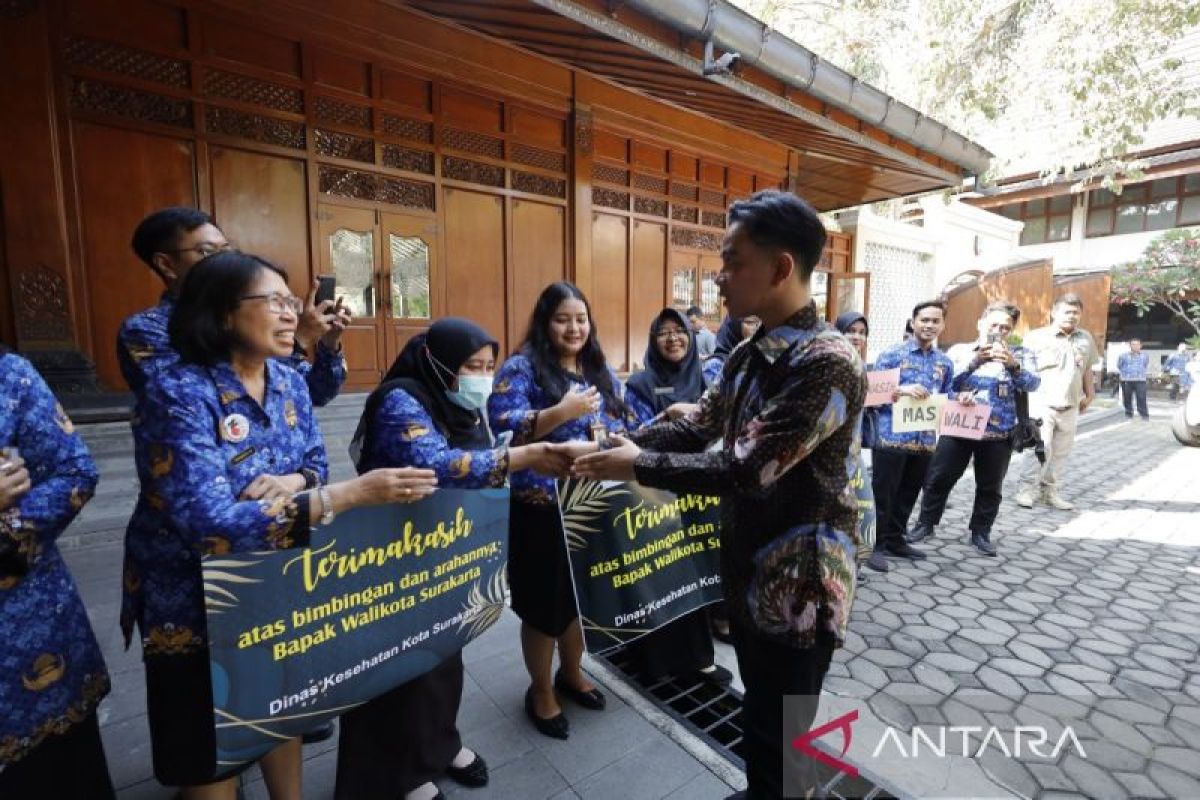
<point x="556" y="387"/>
<point x="230" y="460"/>
<point x="669" y="388"/>
<point x="427" y="413"/>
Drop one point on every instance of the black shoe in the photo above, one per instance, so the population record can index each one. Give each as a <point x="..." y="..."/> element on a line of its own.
<point x="592" y="699"/>
<point x="919" y="533"/>
<point x="903" y="550"/>
<point x="556" y="727"/>
<point x="982" y="542"/>
<point x="472" y="775"/>
<point x="717" y="676"/>
<point x="319" y="733"/>
<point x="877" y="561"/>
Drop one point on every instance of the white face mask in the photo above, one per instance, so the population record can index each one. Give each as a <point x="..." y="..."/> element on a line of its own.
<point x="472" y="393"/>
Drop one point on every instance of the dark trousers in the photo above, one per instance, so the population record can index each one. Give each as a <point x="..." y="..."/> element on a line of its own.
<point x="896" y="479"/>
<point x="950" y="462"/>
<point x="1130" y="390"/>
<point x="69" y="764"/>
<point x="769" y="671"/>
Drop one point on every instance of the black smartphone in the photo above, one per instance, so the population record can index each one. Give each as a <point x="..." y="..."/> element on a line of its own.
<point x="326" y="286"/>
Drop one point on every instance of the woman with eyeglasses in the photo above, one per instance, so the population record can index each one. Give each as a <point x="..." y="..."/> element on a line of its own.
<point x="427" y="413"/>
<point x="230" y="460"/>
<point x="557" y="388"/>
<point x="669" y="388"/>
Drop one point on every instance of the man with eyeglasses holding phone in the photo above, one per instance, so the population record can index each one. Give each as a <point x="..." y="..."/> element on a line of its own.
<point x="170" y="242"/>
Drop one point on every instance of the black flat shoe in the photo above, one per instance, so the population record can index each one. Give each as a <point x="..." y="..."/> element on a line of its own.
<point x="717" y="676"/>
<point x="556" y="727"/>
<point x="472" y="775"/>
<point x="592" y="699"/>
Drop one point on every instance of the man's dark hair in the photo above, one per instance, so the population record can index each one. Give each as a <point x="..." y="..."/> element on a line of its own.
<point x="694" y="311"/>
<point x="210" y="292"/>
<point x="162" y="230"/>
<point x="783" y="220"/>
<point x="1013" y="312"/>
<point x="1135" y="339"/>
<point x="1069" y="299"/>
<point x="919" y="307"/>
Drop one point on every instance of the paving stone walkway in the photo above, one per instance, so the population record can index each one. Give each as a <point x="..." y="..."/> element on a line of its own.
<point x="1088" y="619"/>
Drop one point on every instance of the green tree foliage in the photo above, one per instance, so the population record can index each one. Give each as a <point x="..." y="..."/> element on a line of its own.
<point x="1063" y="87"/>
<point x="1167" y="274"/>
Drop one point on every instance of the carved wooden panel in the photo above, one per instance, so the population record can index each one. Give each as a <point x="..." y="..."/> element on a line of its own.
<point x="414" y="130"/>
<point x="685" y="191"/>
<point x="104" y="98"/>
<point x="711" y="198"/>
<point x="471" y="142"/>
<point x="462" y="169"/>
<point x="649" y="205"/>
<point x="243" y="88"/>
<point x="254" y="127"/>
<point x="327" y="109"/>
<point x="685" y="213"/>
<point x="537" y="157"/>
<point x="608" y="174"/>
<point x="113" y="58"/>
<point x="406" y="158"/>
<point x="698" y="240"/>
<point x="41" y="300"/>
<point x="377" y="188"/>
<point x="712" y="219"/>
<point x="610" y="198"/>
<point x="344" y="145"/>
<point x="649" y="183"/>
<point x="539" y="184"/>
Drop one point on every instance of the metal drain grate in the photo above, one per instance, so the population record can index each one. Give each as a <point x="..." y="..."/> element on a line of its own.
<point x="714" y="714"/>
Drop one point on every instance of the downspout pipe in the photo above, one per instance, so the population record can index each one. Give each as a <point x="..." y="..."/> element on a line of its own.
<point x="732" y="29"/>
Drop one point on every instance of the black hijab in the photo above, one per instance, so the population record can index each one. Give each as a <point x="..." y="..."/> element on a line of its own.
<point x="684" y="380"/>
<point x="844" y="321"/>
<point x="451" y="341"/>
<point x="728" y="337"/>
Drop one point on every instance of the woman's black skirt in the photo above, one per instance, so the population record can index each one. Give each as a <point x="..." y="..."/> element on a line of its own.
<point x="69" y="764"/>
<point x="539" y="571"/>
<point x="680" y="647"/>
<point x="403" y="738"/>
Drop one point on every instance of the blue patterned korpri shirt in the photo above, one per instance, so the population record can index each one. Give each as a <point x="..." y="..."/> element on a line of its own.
<point x="404" y="435"/>
<point x="1133" y="366"/>
<point x="516" y="399"/>
<point x="199" y="441"/>
<point x="639" y="408"/>
<point x="994" y="385"/>
<point x="144" y="349"/>
<point x="930" y="368"/>
<point x="52" y="675"/>
<point x="712" y="369"/>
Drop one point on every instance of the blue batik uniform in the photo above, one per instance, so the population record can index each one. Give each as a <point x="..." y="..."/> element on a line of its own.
<point x="640" y="409"/>
<point x="994" y="385"/>
<point x="193" y="469"/>
<point x="930" y="368"/>
<point x="52" y="675"/>
<point x="712" y="370"/>
<point x="516" y="398"/>
<point x="405" y="435"/>
<point x="1133" y="367"/>
<point x="144" y="349"/>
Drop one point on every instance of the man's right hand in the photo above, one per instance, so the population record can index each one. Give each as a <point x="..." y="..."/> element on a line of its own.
<point x="914" y="390"/>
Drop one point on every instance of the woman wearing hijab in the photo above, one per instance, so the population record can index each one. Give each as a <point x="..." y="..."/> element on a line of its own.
<point x="854" y="326"/>
<point x="558" y="387"/>
<point x="427" y="414"/>
<point x="669" y="387"/>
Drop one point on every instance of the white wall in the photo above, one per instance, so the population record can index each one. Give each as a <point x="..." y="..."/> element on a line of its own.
<point x="967" y="237"/>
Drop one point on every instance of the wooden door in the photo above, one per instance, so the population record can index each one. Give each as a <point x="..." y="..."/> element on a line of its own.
<point x="411" y="279"/>
<point x="475" y="266"/>
<point x="350" y="250"/>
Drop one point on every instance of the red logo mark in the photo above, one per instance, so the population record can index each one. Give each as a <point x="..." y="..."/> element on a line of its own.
<point x="803" y="743"/>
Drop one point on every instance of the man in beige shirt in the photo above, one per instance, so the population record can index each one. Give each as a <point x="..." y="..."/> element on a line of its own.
<point x="1064" y="354"/>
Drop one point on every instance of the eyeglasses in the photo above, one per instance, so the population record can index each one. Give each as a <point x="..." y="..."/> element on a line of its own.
<point x="278" y="303"/>
<point x="204" y="250"/>
<point x="671" y="333"/>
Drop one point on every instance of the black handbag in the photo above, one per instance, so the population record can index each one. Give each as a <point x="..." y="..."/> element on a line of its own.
<point x="1027" y="434"/>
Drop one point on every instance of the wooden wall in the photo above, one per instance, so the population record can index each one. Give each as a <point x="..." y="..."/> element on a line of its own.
<point x="1028" y="286"/>
<point x="292" y="120"/>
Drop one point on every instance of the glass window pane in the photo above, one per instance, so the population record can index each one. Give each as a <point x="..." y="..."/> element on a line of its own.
<point x="820" y="292"/>
<point x="1102" y="197"/>
<point x="1059" y="229"/>
<point x="710" y="295"/>
<point x="1099" y="222"/>
<point x="410" y="277"/>
<point x="1035" y="208"/>
<point x="1011" y="211"/>
<point x="1191" y="183"/>
<point x="683" y="287"/>
<point x="352" y="254"/>
<point x="1061" y="203"/>
<point x="1163" y="187"/>
<point x="1034" y="231"/>
<point x="851" y="295"/>
<point x="1133" y="194"/>
<point x="1161" y="215"/>
<point x="1130" y="217"/>
<point x="1189" y="212"/>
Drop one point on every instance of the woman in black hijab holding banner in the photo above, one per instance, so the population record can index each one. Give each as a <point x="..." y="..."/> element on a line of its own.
<point x="669" y="387"/>
<point x="426" y="414"/>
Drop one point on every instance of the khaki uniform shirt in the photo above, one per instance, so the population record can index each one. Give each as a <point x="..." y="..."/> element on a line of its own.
<point x="1061" y="361"/>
